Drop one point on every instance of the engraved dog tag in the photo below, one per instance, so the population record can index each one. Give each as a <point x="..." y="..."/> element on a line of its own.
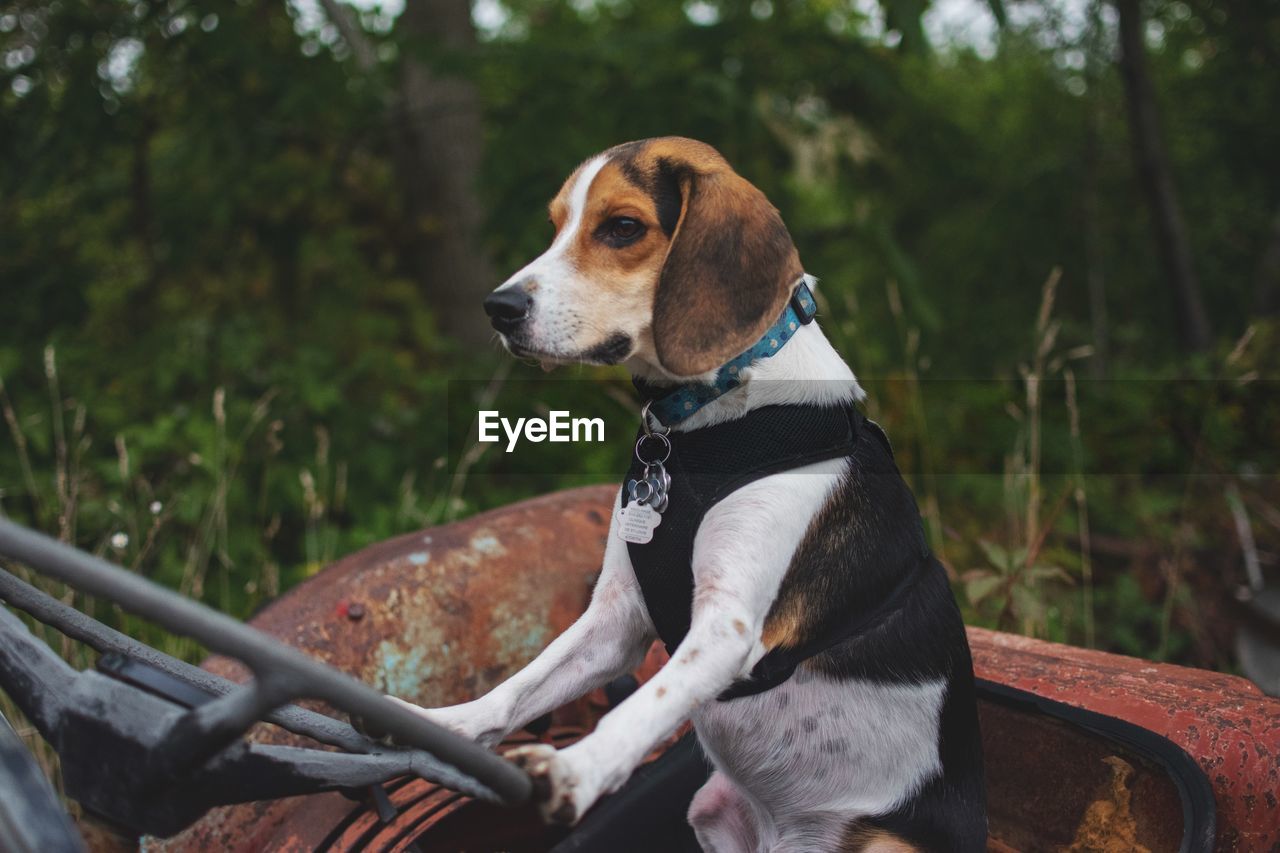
<point x="636" y="522"/>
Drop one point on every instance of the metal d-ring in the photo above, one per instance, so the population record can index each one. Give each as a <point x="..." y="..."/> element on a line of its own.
<point x="644" y="422"/>
<point x="661" y="437"/>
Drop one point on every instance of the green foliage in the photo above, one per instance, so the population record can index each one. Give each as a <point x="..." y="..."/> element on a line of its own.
<point x="200" y="217"/>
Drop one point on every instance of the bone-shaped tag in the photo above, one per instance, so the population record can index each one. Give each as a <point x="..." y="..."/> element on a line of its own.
<point x="652" y="489"/>
<point x="636" y="523"/>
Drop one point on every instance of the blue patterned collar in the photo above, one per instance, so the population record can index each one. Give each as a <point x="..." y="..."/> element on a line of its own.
<point x="672" y="405"/>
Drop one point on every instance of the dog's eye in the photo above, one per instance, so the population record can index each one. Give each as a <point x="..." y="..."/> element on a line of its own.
<point x="624" y="228"/>
<point x="621" y="231"/>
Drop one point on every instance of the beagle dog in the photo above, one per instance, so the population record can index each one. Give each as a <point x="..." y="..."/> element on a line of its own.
<point x="816" y="645"/>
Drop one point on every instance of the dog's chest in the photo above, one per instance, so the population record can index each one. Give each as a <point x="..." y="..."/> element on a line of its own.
<point x="703" y="467"/>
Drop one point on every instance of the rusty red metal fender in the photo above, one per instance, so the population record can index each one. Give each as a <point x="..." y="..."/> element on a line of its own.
<point x="1224" y="722"/>
<point x="443" y="615"/>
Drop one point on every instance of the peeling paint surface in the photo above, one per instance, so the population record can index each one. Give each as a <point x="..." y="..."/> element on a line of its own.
<point x="488" y="545"/>
<point x="446" y="615"/>
<point x="401" y="671"/>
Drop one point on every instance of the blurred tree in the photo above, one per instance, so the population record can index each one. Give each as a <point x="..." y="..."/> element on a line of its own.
<point x="437" y="143"/>
<point x="1151" y="161"/>
<point x="1267" y="278"/>
<point x="905" y="17"/>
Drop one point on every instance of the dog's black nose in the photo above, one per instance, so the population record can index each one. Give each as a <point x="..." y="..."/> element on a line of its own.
<point x="507" y="307"/>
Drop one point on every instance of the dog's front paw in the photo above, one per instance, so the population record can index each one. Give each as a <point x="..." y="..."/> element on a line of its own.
<point x="464" y="720"/>
<point x="561" y="790"/>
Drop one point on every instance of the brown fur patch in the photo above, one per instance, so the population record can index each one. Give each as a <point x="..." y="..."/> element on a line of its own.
<point x="783" y="629"/>
<point x="558" y="209"/>
<point x="861" y="838"/>
<point x="613" y="195"/>
<point x="791" y="619"/>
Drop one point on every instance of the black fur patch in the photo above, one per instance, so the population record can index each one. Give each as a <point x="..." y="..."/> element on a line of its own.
<point x="625" y="154"/>
<point x="662" y="184"/>
<point x="611" y="351"/>
<point x="665" y="190"/>
<point x="625" y="157"/>
<point x="866" y="537"/>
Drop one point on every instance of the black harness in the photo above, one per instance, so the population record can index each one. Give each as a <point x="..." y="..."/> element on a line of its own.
<point x="708" y="464"/>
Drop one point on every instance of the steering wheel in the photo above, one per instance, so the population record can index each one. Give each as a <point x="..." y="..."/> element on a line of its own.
<point x="178" y="742"/>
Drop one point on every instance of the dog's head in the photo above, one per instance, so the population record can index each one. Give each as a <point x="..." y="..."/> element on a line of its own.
<point x="662" y="254"/>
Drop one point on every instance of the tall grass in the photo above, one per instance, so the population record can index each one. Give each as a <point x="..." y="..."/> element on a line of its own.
<point x="180" y="530"/>
<point x="1017" y="577"/>
<point x="1081" y="496"/>
<point x="119" y="513"/>
<point x="910" y="336"/>
<point x="56" y="507"/>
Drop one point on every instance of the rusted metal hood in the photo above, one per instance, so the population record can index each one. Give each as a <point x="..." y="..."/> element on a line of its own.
<point x="443" y="615"/>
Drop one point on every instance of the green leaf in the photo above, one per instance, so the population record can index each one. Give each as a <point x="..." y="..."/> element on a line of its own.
<point x="981" y="586"/>
<point x="996" y="555"/>
<point x="1027" y="604"/>
<point x="1042" y="572"/>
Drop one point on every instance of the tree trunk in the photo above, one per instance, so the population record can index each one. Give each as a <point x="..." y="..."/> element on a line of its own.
<point x="1266" y="287"/>
<point x="437" y="142"/>
<point x="1095" y="272"/>
<point x="1152" y="164"/>
<point x="1094" y="259"/>
<point x="438" y="145"/>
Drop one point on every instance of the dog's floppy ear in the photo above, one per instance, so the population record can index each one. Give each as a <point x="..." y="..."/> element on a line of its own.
<point x="729" y="270"/>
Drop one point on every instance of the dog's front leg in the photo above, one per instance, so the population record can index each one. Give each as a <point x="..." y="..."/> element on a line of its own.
<point x="712" y="655"/>
<point x="740" y="555"/>
<point x="609" y="639"/>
